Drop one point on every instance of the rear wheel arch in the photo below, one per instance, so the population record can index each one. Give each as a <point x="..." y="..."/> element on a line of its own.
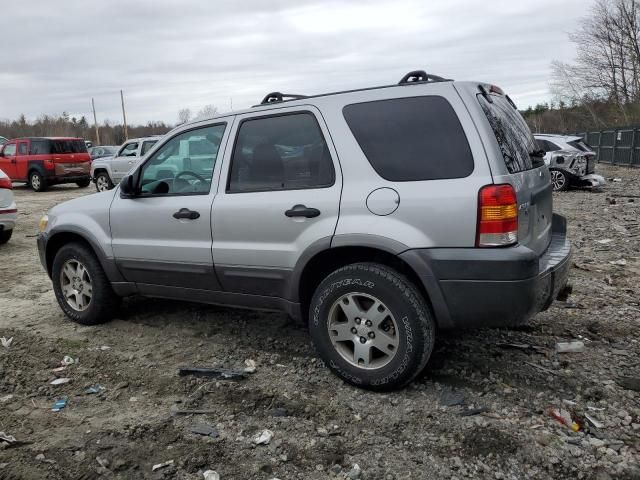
<point x="326" y="261"/>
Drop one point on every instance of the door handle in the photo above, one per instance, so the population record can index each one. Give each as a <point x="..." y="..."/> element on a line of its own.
<point x="302" y="211"/>
<point x="186" y="214"/>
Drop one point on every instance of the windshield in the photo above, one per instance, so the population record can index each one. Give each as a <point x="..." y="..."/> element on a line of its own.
<point x="512" y="133"/>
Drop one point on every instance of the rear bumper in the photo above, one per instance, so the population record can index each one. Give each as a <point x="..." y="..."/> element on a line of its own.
<point x="8" y="217"/>
<point x="473" y="287"/>
<point x="57" y="179"/>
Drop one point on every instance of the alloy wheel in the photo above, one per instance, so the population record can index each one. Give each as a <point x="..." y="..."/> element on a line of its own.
<point x="558" y="180"/>
<point x="102" y="183"/>
<point x="363" y="330"/>
<point x="35" y="182"/>
<point x="75" y="283"/>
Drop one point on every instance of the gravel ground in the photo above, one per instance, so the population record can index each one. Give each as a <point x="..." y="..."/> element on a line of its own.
<point x="480" y="410"/>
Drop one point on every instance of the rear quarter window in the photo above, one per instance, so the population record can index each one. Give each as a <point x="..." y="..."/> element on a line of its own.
<point x="411" y="139"/>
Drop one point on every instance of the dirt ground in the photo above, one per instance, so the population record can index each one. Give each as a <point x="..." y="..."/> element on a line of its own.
<point x="321" y="426"/>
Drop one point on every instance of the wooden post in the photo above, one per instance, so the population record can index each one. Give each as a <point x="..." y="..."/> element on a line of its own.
<point x="95" y="122"/>
<point x="124" y="117"/>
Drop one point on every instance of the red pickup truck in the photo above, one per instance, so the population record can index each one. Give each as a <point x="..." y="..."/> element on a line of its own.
<point x="45" y="161"/>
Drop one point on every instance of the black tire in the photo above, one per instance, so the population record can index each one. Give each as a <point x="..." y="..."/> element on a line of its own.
<point x="414" y="326"/>
<point x="84" y="183"/>
<point x="37" y="182"/>
<point x="103" y="304"/>
<point x="103" y="179"/>
<point x="5" y="236"/>
<point x="559" y="180"/>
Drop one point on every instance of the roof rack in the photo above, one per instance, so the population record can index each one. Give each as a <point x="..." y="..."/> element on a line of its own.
<point x="420" y="76"/>
<point x="274" y="97"/>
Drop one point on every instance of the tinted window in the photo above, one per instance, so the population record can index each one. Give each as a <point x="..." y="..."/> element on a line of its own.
<point x="580" y="145"/>
<point x="512" y="133"/>
<point x="22" y="148"/>
<point x="40" y="147"/>
<point x="286" y="152"/>
<point x="546" y="145"/>
<point x="10" y="150"/>
<point x="146" y="146"/>
<point x="171" y="170"/>
<point x="408" y="139"/>
<point x="68" y="146"/>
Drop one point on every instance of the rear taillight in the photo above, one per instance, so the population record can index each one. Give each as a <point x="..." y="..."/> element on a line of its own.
<point x="6" y="183"/>
<point x="497" y="216"/>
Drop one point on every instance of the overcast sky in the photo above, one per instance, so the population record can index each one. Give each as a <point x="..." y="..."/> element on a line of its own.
<point x="168" y="55"/>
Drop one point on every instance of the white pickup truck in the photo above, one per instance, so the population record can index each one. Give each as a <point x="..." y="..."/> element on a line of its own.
<point x="106" y="172"/>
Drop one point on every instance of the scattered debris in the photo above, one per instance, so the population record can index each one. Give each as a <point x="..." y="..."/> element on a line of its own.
<point x="223" y="373"/>
<point x="622" y="262"/>
<point x="59" y="369"/>
<point x="473" y="411"/>
<point x="206" y="430"/>
<point x="60" y="381"/>
<point x="211" y="475"/>
<point x="564" y="417"/>
<point x="524" y="347"/>
<point x="6" y="342"/>
<point x="59" y="405"/>
<point x="355" y="472"/>
<point x="250" y="366"/>
<point x="97" y="388"/>
<point x="604" y="241"/>
<point x="103" y="462"/>
<point x="6" y="398"/>
<point x="264" y="438"/>
<point x="67" y="360"/>
<point x="617" y="180"/>
<point x="541" y="368"/>
<point x="158" y="466"/>
<point x="7" y="439"/>
<point x="593" y="421"/>
<point x="575" y="346"/>
<point x="569" y="304"/>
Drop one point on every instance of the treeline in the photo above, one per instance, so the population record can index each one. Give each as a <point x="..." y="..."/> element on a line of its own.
<point x="601" y="87"/>
<point x="67" y="126"/>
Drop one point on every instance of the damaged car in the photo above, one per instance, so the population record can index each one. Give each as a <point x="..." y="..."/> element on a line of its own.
<point x="570" y="160"/>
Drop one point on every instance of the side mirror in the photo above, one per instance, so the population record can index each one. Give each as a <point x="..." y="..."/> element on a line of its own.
<point x="127" y="189"/>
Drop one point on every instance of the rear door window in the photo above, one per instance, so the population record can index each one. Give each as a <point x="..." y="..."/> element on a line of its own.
<point x="129" y="150"/>
<point x="512" y="133"/>
<point x="40" y="147"/>
<point x="409" y="139"/>
<point x="68" y="146"/>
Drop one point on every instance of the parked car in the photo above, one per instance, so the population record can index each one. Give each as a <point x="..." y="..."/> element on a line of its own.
<point x="108" y="171"/>
<point x="3" y="140"/>
<point x="103" y="151"/>
<point x="379" y="216"/>
<point x="88" y="143"/>
<point x="570" y="160"/>
<point x="8" y="209"/>
<point x="44" y="161"/>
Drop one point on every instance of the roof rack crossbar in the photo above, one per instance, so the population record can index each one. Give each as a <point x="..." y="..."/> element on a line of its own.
<point x="419" y="76"/>
<point x="280" y="97"/>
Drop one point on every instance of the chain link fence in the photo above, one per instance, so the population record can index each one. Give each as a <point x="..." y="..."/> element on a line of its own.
<point x="619" y="146"/>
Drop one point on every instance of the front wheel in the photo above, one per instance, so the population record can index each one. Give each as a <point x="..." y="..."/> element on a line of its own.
<point x="5" y="236"/>
<point x="37" y="181"/>
<point x="82" y="289"/>
<point x="559" y="181"/>
<point x="371" y="326"/>
<point x="103" y="182"/>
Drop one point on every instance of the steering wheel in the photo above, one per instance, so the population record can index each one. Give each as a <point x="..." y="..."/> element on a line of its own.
<point x="192" y="174"/>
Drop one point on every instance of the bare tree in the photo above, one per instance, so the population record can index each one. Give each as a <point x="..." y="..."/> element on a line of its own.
<point x="184" y="115"/>
<point x="207" y="111"/>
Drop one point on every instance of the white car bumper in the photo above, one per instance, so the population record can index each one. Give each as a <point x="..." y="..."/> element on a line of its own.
<point x="8" y="217"/>
<point x="596" y="181"/>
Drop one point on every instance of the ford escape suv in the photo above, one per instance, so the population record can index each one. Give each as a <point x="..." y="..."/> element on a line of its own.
<point x="379" y="216"/>
<point x="41" y="162"/>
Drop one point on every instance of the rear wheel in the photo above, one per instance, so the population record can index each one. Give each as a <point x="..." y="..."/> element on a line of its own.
<point x="559" y="180"/>
<point x="82" y="289"/>
<point x="37" y="181"/>
<point x="371" y="326"/>
<point x="5" y="236"/>
<point x="83" y="183"/>
<point x="103" y="182"/>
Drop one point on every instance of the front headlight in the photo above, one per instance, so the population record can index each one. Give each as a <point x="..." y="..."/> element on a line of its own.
<point x="44" y="222"/>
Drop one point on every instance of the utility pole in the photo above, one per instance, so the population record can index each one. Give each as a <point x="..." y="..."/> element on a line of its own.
<point x="95" y="121"/>
<point x="124" y="116"/>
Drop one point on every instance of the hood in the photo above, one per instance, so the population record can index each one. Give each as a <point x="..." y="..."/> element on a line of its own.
<point x="94" y="203"/>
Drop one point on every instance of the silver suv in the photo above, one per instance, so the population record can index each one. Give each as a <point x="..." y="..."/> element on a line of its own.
<point x="106" y="172"/>
<point x="377" y="215"/>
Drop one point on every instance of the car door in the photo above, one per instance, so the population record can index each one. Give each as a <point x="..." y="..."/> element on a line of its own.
<point x="22" y="159"/>
<point x="161" y="237"/>
<point x="279" y="193"/>
<point x="8" y="160"/>
<point x="124" y="160"/>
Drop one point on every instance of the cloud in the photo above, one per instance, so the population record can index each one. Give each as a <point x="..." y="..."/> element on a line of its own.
<point x="167" y="55"/>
